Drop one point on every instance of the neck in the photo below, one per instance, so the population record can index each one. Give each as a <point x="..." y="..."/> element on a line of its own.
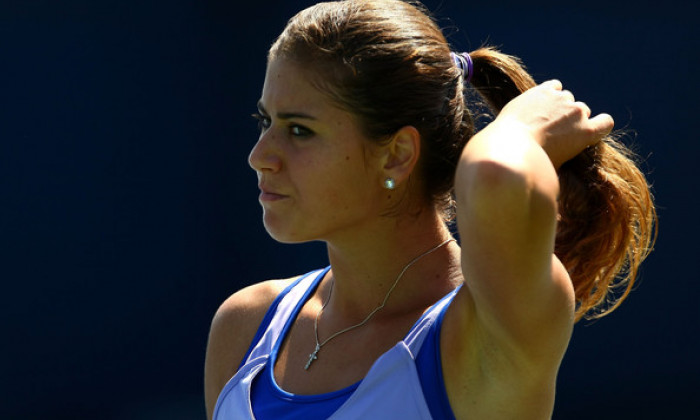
<point x="365" y="268"/>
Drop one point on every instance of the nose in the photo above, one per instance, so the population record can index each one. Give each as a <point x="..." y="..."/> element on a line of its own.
<point x="264" y="156"/>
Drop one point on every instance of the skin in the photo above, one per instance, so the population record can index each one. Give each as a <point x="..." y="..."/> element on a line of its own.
<point x="504" y="335"/>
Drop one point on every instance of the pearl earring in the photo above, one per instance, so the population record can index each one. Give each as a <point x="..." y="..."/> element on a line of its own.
<point x="389" y="183"/>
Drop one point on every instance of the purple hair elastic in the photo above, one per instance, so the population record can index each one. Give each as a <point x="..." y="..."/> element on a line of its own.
<point x="465" y="63"/>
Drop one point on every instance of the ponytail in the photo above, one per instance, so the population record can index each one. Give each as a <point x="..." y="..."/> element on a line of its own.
<point x="607" y="220"/>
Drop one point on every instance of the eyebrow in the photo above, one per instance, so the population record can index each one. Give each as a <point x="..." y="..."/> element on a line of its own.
<point x="286" y="115"/>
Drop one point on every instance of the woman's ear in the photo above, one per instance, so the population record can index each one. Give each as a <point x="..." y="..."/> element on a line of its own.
<point x="401" y="154"/>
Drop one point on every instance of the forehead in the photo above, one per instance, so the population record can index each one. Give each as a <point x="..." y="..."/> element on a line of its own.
<point x="288" y="87"/>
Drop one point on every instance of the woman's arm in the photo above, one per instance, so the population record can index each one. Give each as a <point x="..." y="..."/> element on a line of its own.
<point x="506" y="188"/>
<point x="518" y="298"/>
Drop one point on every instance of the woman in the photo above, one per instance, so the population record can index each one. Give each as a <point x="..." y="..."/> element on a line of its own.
<point x="367" y="144"/>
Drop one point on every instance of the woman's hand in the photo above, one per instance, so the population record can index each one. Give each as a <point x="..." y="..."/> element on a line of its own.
<point x="558" y="123"/>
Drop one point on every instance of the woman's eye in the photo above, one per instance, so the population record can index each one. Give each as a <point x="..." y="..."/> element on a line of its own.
<point x="299" y="131"/>
<point x="263" y="121"/>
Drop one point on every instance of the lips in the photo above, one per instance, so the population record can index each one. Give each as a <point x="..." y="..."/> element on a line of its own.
<point x="268" y="197"/>
<point x="268" y="194"/>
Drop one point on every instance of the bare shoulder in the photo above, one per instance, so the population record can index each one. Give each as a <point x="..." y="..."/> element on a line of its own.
<point x="247" y="305"/>
<point x="232" y="329"/>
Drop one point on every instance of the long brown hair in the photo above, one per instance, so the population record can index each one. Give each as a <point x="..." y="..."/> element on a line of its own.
<point x="388" y="63"/>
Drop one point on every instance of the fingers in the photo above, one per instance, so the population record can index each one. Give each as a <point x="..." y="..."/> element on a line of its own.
<point x="584" y="107"/>
<point x="602" y="124"/>
<point x="568" y="95"/>
<point x="554" y="84"/>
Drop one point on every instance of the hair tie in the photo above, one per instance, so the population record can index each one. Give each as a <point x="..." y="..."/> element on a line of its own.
<point x="465" y="63"/>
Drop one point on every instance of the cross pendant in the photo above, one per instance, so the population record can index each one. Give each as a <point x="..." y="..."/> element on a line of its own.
<point x="312" y="357"/>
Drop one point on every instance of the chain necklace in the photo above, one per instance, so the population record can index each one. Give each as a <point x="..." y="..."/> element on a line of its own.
<point x="313" y="356"/>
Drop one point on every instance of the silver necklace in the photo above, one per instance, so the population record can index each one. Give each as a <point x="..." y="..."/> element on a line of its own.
<point x="313" y="356"/>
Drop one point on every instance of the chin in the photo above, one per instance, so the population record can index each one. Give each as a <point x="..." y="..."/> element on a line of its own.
<point x="284" y="234"/>
<point x="284" y="239"/>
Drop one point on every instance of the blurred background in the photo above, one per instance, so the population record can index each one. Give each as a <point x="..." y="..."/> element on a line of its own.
<point x="128" y="212"/>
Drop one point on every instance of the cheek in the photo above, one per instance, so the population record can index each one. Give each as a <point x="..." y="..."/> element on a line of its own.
<point x="340" y="201"/>
<point x="339" y="177"/>
<point x="353" y="189"/>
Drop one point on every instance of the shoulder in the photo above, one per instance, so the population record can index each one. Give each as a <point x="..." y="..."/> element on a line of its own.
<point x="237" y="319"/>
<point x="247" y="305"/>
<point x="232" y="329"/>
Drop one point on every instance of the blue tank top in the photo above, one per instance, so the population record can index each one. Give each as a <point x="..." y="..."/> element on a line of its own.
<point x="407" y="378"/>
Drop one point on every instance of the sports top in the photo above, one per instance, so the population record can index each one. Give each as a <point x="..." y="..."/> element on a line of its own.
<point x="404" y="382"/>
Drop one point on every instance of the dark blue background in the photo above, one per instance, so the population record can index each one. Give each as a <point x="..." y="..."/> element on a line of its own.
<point x="128" y="211"/>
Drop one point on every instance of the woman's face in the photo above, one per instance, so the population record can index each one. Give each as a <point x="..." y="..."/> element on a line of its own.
<point x="317" y="174"/>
